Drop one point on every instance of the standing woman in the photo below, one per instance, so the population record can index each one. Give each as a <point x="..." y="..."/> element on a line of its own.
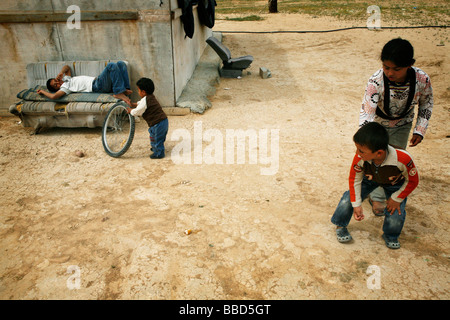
<point x="390" y="99"/>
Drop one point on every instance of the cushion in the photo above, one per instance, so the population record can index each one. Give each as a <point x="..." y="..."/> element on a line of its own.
<point x="32" y="95"/>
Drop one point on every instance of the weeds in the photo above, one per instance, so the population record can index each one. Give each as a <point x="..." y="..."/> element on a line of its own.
<point x="414" y="12"/>
<point x="246" y="18"/>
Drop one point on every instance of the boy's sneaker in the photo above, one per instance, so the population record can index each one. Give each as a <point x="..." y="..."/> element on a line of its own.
<point x="153" y="156"/>
<point x="391" y="243"/>
<point x="343" y="235"/>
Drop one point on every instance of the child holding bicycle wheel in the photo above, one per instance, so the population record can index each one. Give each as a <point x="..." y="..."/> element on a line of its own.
<point x="150" y="109"/>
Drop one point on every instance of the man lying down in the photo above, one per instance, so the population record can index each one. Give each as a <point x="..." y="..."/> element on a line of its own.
<point x="114" y="78"/>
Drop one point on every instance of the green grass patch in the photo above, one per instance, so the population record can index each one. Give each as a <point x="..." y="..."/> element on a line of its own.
<point x="253" y="17"/>
<point x="414" y="12"/>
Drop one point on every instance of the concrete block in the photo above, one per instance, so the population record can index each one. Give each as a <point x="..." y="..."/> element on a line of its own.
<point x="264" y="73"/>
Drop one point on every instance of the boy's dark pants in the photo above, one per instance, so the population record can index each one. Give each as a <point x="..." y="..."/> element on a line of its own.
<point x="114" y="78"/>
<point x="393" y="224"/>
<point x="158" y="133"/>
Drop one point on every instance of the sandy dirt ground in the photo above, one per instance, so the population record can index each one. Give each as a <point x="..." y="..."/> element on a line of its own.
<point x="97" y="227"/>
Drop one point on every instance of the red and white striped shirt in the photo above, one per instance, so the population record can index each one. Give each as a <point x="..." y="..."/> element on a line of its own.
<point x="397" y="167"/>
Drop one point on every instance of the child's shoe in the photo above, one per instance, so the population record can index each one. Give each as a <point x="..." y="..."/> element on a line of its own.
<point x="343" y="235"/>
<point x="390" y="243"/>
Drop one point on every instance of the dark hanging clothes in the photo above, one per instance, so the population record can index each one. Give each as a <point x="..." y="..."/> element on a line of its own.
<point x="187" y="17"/>
<point x="206" y="12"/>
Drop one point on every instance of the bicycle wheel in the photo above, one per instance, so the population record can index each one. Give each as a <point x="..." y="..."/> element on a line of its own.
<point x="118" y="130"/>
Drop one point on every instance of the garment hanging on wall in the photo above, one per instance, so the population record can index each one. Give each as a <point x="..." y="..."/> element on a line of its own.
<point x="187" y="17"/>
<point x="206" y="12"/>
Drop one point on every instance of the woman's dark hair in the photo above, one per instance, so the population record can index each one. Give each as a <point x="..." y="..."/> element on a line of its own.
<point x="49" y="86"/>
<point x="373" y="136"/>
<point x="146" y="84"/>
<point x="399" y="51"/>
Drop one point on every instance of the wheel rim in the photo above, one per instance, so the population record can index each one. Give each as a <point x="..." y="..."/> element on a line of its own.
<point x="117" y="130"/>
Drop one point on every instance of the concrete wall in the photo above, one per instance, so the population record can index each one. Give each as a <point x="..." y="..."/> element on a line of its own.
<point x="154" y="43"/>
<point x="187" y="51"/>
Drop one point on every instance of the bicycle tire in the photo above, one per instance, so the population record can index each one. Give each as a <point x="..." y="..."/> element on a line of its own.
<point x="118" y="130"/>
